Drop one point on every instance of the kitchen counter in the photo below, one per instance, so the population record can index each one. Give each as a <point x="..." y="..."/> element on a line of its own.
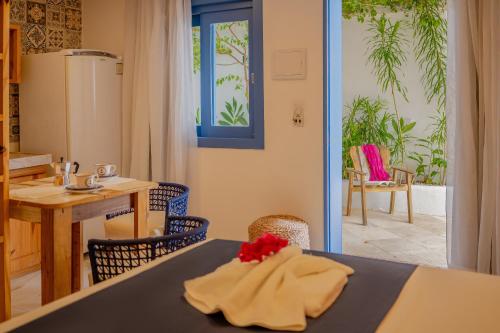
<point x="24" y="160"/>
<point x="24" y="236"/>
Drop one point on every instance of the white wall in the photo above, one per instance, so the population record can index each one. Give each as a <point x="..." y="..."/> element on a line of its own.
<point x="359" y="80"/>
<point x="233" y="187"/>
<point x="427" y="200"/>
<point x="103" y="25"/>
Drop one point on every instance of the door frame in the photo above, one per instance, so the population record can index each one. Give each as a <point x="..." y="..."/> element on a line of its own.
<point x="332" y="124"/>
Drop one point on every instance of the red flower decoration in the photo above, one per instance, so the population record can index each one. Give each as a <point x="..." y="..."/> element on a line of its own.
<point x="263" y="246"/>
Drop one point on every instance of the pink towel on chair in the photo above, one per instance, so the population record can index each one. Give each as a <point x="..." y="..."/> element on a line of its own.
<point x="377" y="171"/>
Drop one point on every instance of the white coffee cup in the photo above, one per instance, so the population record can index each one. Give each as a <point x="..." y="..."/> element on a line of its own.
<point x="85" y="180"/>
<point x="105" y="170"/>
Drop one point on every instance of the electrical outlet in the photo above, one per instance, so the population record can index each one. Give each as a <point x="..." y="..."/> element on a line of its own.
<point x="298" y="116"/>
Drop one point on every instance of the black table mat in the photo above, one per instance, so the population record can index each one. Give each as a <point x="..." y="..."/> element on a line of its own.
<point x="152" y="301"/>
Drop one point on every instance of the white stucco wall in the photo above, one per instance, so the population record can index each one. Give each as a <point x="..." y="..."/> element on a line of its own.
<point x="427" y="200"/>
<point x="103" y="25"/>
<point x="359" y="80"/>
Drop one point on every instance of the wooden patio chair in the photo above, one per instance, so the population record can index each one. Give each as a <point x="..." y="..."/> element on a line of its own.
<point x="359" y="183"/>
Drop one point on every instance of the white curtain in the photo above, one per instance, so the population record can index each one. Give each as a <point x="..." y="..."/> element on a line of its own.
<point x="474" y="135"/>
<point x="158" y="122"/>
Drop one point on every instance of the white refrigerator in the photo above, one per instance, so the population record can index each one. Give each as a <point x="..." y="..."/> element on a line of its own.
<point x="70" y="106"/>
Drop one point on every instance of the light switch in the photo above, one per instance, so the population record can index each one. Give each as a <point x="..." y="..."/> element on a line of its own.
<point x="298" y="116"/>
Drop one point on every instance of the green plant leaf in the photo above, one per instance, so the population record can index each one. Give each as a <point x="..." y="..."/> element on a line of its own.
<point x="224" y="123"/>
<point x="395" y="126"/>
<point x="409" y="127"/>
<point x="243" y="121"/>
<point x="227" y="117"/>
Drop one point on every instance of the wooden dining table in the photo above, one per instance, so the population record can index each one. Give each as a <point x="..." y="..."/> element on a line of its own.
<point x="61" y="215"/>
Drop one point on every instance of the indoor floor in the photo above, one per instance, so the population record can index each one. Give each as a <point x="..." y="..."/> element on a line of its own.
<point x="26" y="290"/>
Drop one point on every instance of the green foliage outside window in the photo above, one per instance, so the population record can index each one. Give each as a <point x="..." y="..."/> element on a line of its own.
<point x="196" y="50"/>
<point x="231" y="40"/>
<point x="365" y="121"/>
<point x="386" y="55"/>
<point x="425" y="21"/>
<point x="233" y="115"/>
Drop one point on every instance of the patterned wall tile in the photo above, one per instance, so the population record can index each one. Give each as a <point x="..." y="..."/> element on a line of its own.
<point x="34" y="39"/>
<point x="36" y="12"/>
<point x="73" y="18"/>
<point x="55" y="16"/>
<point x="18" y="11"/>
<point x="59" y="3"/>
<point x="72" y="39"/>
<point x="74" y="3"/>
<point x="14" y="105"/>
<point x="14" y="112"/>
<point x="14" y="129"/>
<point x="55" y="39"/>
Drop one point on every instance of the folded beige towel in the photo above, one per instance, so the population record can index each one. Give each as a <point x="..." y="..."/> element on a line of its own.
<point x="277" y="293"/>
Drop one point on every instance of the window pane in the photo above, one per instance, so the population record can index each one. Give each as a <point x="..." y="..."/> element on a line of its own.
<point x="197" y="73"/>
<point x="231" y="98"/>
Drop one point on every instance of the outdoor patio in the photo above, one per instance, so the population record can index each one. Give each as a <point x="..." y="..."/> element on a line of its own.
<point x="390" y="237"/>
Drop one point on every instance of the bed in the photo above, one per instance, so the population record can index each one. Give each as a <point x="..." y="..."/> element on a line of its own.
<point x="381" y="296"/>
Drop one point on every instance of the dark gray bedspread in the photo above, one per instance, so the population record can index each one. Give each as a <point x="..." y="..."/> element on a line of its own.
<point x="153" y="301"/>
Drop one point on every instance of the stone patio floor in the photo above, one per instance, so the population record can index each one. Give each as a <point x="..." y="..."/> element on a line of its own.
<point x="391" y="237"/>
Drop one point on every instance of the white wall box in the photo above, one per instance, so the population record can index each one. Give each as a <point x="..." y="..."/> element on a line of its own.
<point x="290" y="64"/>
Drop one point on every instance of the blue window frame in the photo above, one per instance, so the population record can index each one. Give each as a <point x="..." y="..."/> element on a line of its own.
<point x="226" y="120"/>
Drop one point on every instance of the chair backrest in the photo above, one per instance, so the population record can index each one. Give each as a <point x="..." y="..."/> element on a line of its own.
<point x="168" y="197"/>
<point x="109" y="258"/>
<point x="360" y="163"/>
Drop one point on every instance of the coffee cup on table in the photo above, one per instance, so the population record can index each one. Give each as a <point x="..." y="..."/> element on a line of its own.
<point x="85" y="180"/>
<point x="105" y="170"/>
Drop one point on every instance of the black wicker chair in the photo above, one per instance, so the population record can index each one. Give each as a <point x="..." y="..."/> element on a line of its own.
<point x="109" y="258"/>
<point x="170" y="198"/>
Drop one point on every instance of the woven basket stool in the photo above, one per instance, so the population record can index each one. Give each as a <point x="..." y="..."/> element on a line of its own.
<point x="285" y="226"/>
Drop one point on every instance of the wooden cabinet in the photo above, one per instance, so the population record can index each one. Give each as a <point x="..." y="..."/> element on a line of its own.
<point x="24" y="247"/>
<point x="25" y="236"/>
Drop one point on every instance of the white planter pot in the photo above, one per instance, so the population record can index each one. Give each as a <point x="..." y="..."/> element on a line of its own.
<point x="427" y="199"/>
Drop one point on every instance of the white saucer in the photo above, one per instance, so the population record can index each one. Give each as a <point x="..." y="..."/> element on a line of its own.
<point x="104" y="178"/>
<point x="79" y="190"/>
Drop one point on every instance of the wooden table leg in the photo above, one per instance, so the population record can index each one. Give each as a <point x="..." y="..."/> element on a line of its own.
<point x="76" y="256"/>
<point x="141" y="212"/>
<point x="56" y="253"/>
